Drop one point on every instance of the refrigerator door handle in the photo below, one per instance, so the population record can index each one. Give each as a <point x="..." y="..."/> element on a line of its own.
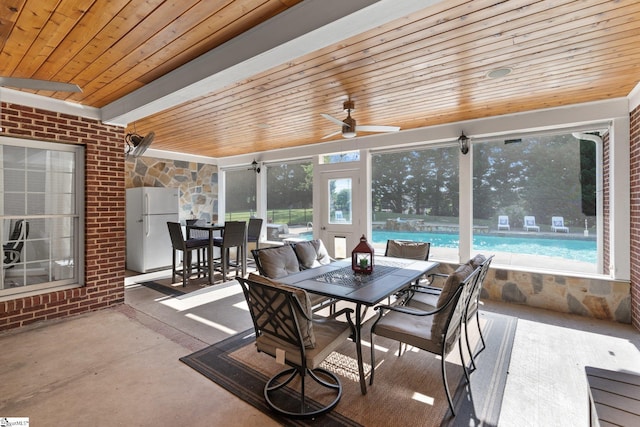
<point x="146" y="212"/>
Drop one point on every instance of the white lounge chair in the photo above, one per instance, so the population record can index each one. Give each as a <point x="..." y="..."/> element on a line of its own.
<point x="530" y="224"/>
<point x="503" y="222"/>
<point x="557" y="224"/>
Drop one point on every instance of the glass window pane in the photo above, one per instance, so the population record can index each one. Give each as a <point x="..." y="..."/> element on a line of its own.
<point x="36" y="182"/>
<point x="350" y="156"/>
<point x="340" y="200"/>
<point x="528" y="184"/>
<point x="14" y="203"/>
<point x="289" y="201"/>
<point x="240" y="195"/>
<point x="15" y="180"/>
<point x="415" y="197"/>
<point x="36" y="159"/>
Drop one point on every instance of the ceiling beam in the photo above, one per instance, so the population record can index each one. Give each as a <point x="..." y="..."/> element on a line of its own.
<point x="304" y="28"/>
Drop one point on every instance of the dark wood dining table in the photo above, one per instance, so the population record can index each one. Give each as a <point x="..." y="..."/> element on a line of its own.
<point x="337" y="280"/>
<point x="210" y="229"/>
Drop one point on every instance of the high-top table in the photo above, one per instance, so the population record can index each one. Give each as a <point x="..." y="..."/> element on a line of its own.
<point x="210" y="228"/>
<point x="337" y="280"/>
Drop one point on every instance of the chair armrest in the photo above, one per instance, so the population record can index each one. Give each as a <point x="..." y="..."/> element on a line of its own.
<point x="433" y="290"/>
<point x="406" y="310"/>
<point x="346" y="311"/>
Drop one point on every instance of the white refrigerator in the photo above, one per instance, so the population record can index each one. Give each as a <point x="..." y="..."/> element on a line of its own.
<point x="148" y="242"/>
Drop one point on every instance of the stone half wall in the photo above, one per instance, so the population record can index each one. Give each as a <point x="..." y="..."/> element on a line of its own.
<point x="198" y="183"/>
<point x="599" y="298"/>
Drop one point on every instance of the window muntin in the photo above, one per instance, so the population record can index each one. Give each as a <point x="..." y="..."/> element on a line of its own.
<point x="42" y="186"/>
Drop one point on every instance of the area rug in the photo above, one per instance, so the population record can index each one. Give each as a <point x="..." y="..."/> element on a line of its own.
<point x="407" y="389"/>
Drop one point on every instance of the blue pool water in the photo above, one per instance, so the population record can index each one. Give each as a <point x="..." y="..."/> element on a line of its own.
<point x="567" y="248"/>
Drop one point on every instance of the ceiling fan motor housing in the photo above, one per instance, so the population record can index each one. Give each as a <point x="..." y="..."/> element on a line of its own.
<point x="349" y="127"/>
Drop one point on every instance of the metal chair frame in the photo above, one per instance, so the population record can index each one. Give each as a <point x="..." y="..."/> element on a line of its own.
<point x="178" y="243"/>
<point x="456" y="304"/>
<point x="233" y="236"/>
<point x="275" y="312"/>
<point x="13" y="248"/>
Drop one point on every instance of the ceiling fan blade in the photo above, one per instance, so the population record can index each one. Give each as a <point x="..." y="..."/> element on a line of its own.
<point x="332" y="134"/>
<point x="35" y="84"/>
<point x="374" y="128"/>
<point x="332" y="119"/>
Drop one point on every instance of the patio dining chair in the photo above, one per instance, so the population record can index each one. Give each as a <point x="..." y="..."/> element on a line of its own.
<point x="179" y="244"/>
<point x="234" y="236"/>
<point x="287" y="330"/>
<point x="408" y="249"/>
<point x="280" y="261"/>
<point x="426" y="298"/>
<point x="436" y="331"/>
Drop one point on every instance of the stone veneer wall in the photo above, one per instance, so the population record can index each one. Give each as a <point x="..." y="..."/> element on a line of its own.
<point x="599" y="298"/>
<point x="198" y="183"/>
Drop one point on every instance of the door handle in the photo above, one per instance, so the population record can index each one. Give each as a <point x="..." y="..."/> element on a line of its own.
<point x="323" y="228"/>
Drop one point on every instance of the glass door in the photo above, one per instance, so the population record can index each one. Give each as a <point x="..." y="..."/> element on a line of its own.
<point x="339" y="215"/>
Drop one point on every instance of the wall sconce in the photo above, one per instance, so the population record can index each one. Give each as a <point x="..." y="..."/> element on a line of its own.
<point x="463" y="140"/>
<point x="255" y="167"/>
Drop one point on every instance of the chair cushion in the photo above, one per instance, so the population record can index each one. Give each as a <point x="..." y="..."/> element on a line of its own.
<point x="413" y="330"/>
<point x="312" y="254"/>
<point x="408" y="250"/>
<point x="329" y="335"/>
<point x="279" y="261"/>
<point x="197" y="243"/>
<point x="450" y="286"/>
<point x="306" y="326"/>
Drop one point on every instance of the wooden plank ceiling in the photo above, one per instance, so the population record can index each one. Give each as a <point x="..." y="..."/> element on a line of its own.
<point x="424" y="69"/>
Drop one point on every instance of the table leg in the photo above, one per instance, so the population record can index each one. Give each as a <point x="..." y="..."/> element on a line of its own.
<point x="358" y="338"/>
<point x="210" y="255"/>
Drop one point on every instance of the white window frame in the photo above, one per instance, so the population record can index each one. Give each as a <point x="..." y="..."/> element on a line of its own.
<point x="78" y="219"/>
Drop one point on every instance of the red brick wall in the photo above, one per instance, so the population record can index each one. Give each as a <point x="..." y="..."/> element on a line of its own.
<point x="635" y="217"/>
<point x="104" y="214"/>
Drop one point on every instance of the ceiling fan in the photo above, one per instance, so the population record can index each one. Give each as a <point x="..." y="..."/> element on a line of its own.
<point x="36" y="84"/>
<point x="136" y="144"/>
<point x="349" y="128"/>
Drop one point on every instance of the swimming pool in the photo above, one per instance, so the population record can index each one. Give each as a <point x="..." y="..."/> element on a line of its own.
<point x="572" y="249"/>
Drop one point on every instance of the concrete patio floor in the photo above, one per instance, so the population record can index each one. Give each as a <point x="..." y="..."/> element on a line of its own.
<point x="120" y="366"/>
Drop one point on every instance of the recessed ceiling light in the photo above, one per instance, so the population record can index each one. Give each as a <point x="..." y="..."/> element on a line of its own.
<point x="499" y="73"/>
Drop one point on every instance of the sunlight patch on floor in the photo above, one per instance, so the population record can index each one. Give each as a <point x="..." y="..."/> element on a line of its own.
<point x="210" y="323"/>
<point x="201" y="297"/>
<point x="423" y="398"/>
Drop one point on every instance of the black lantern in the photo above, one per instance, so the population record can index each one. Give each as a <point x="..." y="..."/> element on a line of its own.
<point x="362" y="257"/>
